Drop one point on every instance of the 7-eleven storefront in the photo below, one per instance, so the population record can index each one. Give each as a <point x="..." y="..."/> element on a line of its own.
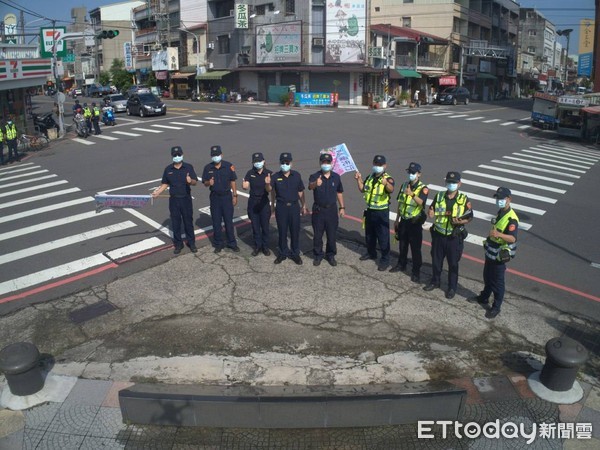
<point x="19" y="78"/>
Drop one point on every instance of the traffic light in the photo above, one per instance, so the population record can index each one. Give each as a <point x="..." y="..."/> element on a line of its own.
<point x="107" y="34"/>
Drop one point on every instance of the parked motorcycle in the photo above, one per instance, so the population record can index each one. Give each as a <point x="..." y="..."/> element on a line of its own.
<point x="195" y="97"/>
<point x="80" y="125"/>
<point x="391" y="102"/>
<point x="44" y="122"/>
<point x="108" y="116"/>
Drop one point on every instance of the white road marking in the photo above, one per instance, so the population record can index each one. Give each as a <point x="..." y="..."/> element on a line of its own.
<point x="266" y="115"/>
<point x="130" y="186"/>
<point x="505" y="124"/>
<point x="33" y="212"/>
<point x="443" y="114"/>
<point x="21" y="168"/>
<point x="223" y="118"/>
<point x="528" y="195"/>
<point x="125" y="133"/>
<point x="532" y="160"/>
<point x="132" y="249"/>
<point x="574" y="151"/>
<point x="106" y="137"/>
<point x="476" y="118"/>
<point x="566" y="154"/>
<point x="523" y="127"/>
<point x="168" y="127"/>
<point x="491" y="121"/>
<point x="211" y="122"/>
<point x="457" y="116"/>
<point x="39" y="197"/>
<point x="187" y="124"/>
<point x="53" y="223"/>
<point x="18" y="183"/>
<point x="514" y="181"/>
<point x="52" y="273"/>
<point x="523" y="174"/>
<point x="558" y="157"/>
<point x="595" y="265"/>
<point x="14" y="177"/>
<point x="149" y="221"/>
<point x="83" y="141"/>
<point x="239" y="116"/>
<point x="33" y="188"/>
<point x="147" y="130"/>
<point x="529" y="167"/>
<point x="70" y="240"/>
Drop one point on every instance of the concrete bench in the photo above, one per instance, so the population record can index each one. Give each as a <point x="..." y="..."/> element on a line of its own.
<point x="290" y="406"/>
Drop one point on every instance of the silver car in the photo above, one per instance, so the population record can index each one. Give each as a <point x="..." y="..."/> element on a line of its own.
<point x="117" y="101"/>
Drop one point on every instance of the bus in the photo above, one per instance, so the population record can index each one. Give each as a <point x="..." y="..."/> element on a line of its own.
<point x="544" y="110"/>
<point x="570" y="115"/>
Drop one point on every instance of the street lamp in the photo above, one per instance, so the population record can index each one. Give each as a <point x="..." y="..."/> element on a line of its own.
<point x="185" y="30"/>
<point x="566" y="33"/>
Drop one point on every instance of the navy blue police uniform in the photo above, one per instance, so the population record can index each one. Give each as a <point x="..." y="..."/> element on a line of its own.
<point x="221" y="201"/>
<point x="180" y="202"/>
<point x="259" y="207"/>
<point x="287" y="209"/>
<point x="325" y="218"/>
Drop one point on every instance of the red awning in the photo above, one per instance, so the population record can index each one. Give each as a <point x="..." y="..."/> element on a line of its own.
<point x="592" y="109"/>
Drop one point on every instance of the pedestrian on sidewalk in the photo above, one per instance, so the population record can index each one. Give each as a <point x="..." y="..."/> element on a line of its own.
<point x="412" y="198"/>
<point x="377" y="189"/>
<point x="500" y="247"/>
<point x="286" y="189"/>
<point x="11" y="140"/>
<point x="416" y="98"/>
<point x="219" y="176"/>
<point x="451" y="210"/>
<point x="328" y="193"/>
<point x="259" y="208"/>
<point x="178" y="177"/>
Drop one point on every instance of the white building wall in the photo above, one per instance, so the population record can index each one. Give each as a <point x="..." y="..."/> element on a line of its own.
<point x="119" y="11"/>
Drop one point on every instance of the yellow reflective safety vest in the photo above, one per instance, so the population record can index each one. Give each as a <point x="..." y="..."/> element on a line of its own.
<point x="87" y="112"/>
<point x="443" y="223"/>
<point x="11" y="132"/>
<point x="96" y="111"/>
<point x="1" y="135"/>
<point x="493" y="246"/>
<point x="375" y="194"/>
<point x="407" y="207"/>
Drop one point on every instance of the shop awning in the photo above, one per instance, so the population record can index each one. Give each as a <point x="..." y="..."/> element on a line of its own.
<point x="485" y="76"/>
<point x="592" y="110"/>
<point x="181" y="75"/>
<point x="214" y="75"/>
<point x="407" y="73"/>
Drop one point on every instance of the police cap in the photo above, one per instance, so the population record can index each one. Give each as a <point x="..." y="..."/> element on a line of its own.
<point x="502" y="192"/>
<point x="453" y="177"/>
<point x="215" y="150"/>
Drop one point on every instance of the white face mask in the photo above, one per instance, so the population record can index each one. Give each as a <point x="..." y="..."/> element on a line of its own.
<point x="412" y="176"/>
<point x="452" y="186"/>
<point x="177" y="159"/>
<point x="377" y="170"/>
<point x="259" y="165"/>
<point x="285" y="168"/>
<point x="501" y="202"/>
<point x="216" y="159"/>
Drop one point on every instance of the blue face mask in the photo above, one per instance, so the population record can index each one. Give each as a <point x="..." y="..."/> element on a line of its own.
<point x="326" y="167"/>
<point x="259" y="165"/>
<point x="452" y="186"/>
<point x="216" y="159"/>
<point x="285" y="168"/>
<point x="377" y="170"/>
<point x="412" y="176"/>
<point x="501" y="202"/>
<point x="177" y="159"/>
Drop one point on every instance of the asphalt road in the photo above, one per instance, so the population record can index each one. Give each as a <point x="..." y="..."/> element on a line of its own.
<point x="552" y="181"/>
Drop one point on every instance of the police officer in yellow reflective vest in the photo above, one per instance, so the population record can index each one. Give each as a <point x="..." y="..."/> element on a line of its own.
<point x="11" y="140"/>
<point x="451" y="210"/>
<point x="1" y="146"/>
<point x="87" y="115"/>
<point x="500" y="246"/>
<point x="96" y="119"/>
<point x="376" y="190"/>
<point x="412" y="198"/>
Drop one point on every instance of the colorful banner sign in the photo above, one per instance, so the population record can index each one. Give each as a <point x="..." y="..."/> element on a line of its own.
<point x="314" y="99"/>
<point x="586" y="36"/>
<point x="241" y="16"/>
<point x="345" y="38"/>
<point x="279" y="43"/>
<point x="342" y="159"/>
<point x="584" y="66"/>
<point x="121" y="201"/>
<point x="128" y="55"/>
<point x="448" y="81"/>
<point x="167" y="59"/>
<point x="25" y="68"/>
<point x="10" y="29"/>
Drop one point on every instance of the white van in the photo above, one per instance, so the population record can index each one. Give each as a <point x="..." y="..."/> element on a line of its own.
<point x="581" y="90"/>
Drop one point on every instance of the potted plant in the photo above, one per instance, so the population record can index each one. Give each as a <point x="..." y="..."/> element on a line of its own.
<point x="285" y="99"/>
<point x="222" y="93"/>
<point x="376" y="101"/>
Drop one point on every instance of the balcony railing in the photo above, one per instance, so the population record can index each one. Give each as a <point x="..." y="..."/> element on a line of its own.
<point x="423" y="61"/>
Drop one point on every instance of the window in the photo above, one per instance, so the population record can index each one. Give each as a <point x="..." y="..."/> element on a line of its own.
<point x="259" y="10"/>
<point x="531" y="49"/>
<point x="532" y="33"/>
<point x="406" y="22"/>
<point x="290" y="6"/>
<point x="409" y="1"/>
<point x="223" y="42"/>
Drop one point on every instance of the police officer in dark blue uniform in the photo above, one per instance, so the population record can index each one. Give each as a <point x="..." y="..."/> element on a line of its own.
<point x="220" y="177"/>
<point x="178" y="177"/>
<point x="286" y="189"/>
<point x="259" y="208"/>
<point x="328" y="192"/>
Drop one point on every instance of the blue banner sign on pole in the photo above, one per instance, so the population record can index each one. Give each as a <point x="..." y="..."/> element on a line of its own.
<point x="314" y="99"/>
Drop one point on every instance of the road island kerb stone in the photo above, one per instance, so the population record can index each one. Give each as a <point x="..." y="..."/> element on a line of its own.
<point x="235" y="319"/>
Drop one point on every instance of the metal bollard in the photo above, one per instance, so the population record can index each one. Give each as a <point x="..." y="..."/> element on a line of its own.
<point x="20" y="363"/>
<point x="564" y="356"/>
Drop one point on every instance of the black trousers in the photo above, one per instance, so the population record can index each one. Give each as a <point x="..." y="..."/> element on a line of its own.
<point x="1" y="152"/>
<point x="377" y="229"/>
<point x="259" y="213"/>
<point x="493" y="279"/>
<point x="324" y="221"/>
<point x="288" y="220"/>
<point x="181" y="212"/>
<point x="221" y="211"/>
<point x="96" y="122"/>
<point x="410" y="234"/>
<point x="449" y="248"/>
<point x="12" y="145"/>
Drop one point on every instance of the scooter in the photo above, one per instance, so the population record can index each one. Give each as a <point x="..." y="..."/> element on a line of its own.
<point x="44" y="122"/>
<point x="80" y="125"/>
<point x="391" y="102"/>
<point x="195" y="97"/>
<point x="108" y="116"/>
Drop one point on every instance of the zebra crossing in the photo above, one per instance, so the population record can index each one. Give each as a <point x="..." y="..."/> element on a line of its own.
<point x="49" y="229"/>
<point x="180" y="123"/>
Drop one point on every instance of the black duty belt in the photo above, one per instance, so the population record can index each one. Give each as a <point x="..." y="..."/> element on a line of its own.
<point x="179" y="196"/>
<point x="221" y="194"/>
<point x="325" y="206"/>
<point x="279" y="202"/>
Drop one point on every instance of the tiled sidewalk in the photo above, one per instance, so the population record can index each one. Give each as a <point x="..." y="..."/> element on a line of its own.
<point x="90" y="418"/>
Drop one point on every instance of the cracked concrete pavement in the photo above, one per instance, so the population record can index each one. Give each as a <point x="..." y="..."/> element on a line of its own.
<point x="231" y="318"/>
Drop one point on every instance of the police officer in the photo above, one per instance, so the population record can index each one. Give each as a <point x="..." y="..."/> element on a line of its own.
<point x="87" y="115"/>
<point x="377" y="190"/>
<point x="286" y="189"/>
<point x="220" y="176"/>
<point x="178" y="177"/>
<point x="500" y="246"/>
<point x="412" y="198"/>
<point x="76" y="107"/>
<point x="96" y="119"/>
<point x="11" y="140"/>
<point x="328" y="193"/>
<point x="259" y="208"/>
<point x="1" y="146"/>
<point x="451" y="210"/>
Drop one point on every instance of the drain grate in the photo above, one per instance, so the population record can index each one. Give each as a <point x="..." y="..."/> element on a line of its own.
<point x="91" y="312"/>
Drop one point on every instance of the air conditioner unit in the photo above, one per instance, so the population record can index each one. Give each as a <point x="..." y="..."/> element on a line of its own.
<point x="318" y="42"/>
<point x="211" y="45"/>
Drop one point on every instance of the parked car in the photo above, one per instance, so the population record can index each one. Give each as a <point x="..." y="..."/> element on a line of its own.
<point x="117" y="101"/>
<point x="136" y="89"/>
<point x="145" y="104"/>
<point x="454" y="95"/>
<point x="97" y="90"/>
<point x="76" y="92"/>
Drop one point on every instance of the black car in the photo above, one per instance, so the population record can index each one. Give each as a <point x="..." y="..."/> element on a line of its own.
<point x="454" y="95"/>
<point x="145" y="104"/>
